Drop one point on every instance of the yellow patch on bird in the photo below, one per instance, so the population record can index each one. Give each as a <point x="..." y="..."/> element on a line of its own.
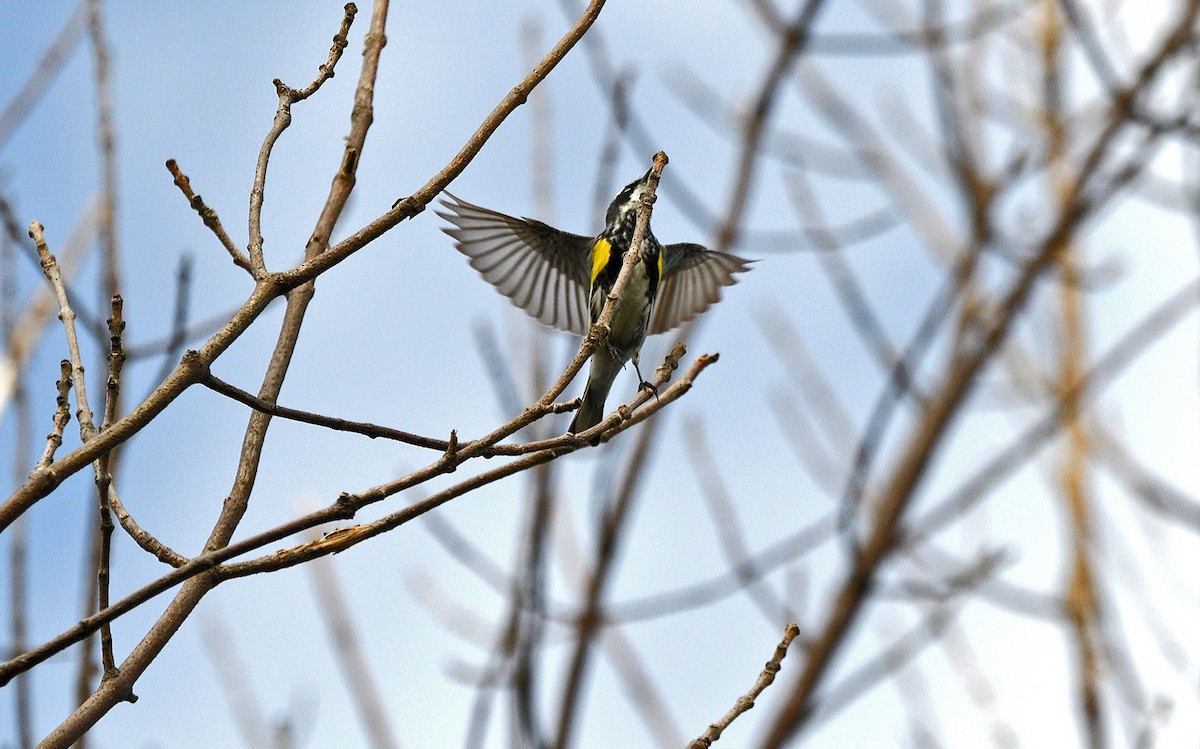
<point x="660" y="256"/>
<point x="600" y="253"/>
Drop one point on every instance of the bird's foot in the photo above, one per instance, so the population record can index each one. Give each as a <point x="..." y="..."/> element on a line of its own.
<point x="643" y="383"/>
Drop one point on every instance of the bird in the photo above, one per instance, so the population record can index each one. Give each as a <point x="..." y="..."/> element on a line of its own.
<point x="563" y="280"/>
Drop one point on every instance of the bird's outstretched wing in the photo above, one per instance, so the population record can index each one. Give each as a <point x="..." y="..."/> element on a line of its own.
<point x="543" y="271"/>
<point x="692" y="278"/>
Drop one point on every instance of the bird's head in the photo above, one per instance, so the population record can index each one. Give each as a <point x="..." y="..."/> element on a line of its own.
<point x="624" y="207"/>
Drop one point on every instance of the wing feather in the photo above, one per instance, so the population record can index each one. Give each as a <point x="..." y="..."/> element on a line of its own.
<point x="691" y="282"/>
<point x="542" y="270"/>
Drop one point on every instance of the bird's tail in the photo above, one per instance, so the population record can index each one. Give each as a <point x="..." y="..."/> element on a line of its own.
<point x="603" y="371"/>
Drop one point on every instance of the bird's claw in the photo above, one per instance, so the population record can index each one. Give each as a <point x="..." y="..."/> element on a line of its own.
<point x="643" y="383"/>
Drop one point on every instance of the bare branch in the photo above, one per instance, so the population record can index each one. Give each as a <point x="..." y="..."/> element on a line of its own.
<point x="343" y="509"/>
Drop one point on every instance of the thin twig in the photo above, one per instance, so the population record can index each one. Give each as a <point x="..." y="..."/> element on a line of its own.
<point x="62" y="415"/>
<point x="83" y="413"/>
<point x="373" y="431"/>
<point x="142" y="537"/>
<point x="104" y="479"/>
<point x="283" y="118"/>
<point x="746" y="701"/>
<point x="347" y="504"/>
<point x="208" y="216"/>
<point x="106" y="138"/>
<point x="87" y="427"/>
<point x="120" y="686"/>
<point x="27" y="329"/>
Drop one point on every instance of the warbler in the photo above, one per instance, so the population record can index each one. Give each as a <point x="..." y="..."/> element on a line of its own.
<point x="563" y="280"/>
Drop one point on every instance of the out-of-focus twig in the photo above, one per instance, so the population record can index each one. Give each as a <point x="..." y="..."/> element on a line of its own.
<point x="1082" y="602"/>
<point x="796" y="428"/>
<point x="858" y="309"/>
<point x="43" y="73"/>
<point x="804" y="373"/>
<point x="611" y="532"/>
<point x="960" y="375"/>
<point x="610" y="151"/>
<point x="976" y="683"/>
<point x="1156" y="493"/>
<point x="18" y="545"/>
<point x="28" y="328"/>
<point x="728" y="528"/>
<point x="789" y="549"/>
<point x="792" y="41"/>
<point x="220" y="645"/>
<point x="1103" y="371"/>
<point x="353" y="660"/>
<point x="177" y="338"/>
<point x="106" y="137"/>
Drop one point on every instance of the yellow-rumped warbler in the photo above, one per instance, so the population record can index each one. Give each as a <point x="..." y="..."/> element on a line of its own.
<point x="563" y="280"/>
